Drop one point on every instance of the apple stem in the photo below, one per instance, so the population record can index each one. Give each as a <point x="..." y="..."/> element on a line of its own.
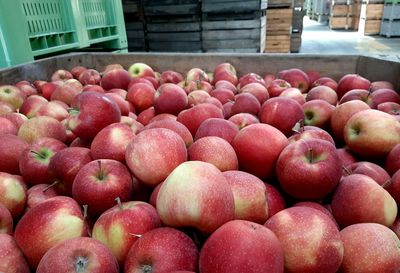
<point x="135" y="235"/>
<point x="101" y="173"/>
<point x="85" y="211"/>
<point x="311" y="155"/>
<point x="51" y="185"/>
<point x="346" y="170"/>
<point x="118" y="200"/>
<point x="38" y="154"/>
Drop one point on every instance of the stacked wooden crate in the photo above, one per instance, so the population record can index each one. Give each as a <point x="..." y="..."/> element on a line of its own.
<point x="297" y="25"/>
<point x="279" y="26"/>
<point x="355" y="10"/>
<point x="173" y="25"/>
<point x="233" y="25"/>
<point x="341" y="16"/>
<point x="135" y="26"/>
<point x="320" y="10"/>
<point x="371" y="17"/>
<point x="391" y="19"/>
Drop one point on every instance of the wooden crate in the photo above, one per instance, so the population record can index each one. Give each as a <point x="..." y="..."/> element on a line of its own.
<point x="372" y="11"/>
<point x="369" y="26"/>
<point x="355" y="23"/>
<point x="280" y="3"/>
<point x="278" y="44"/>
<point x="169" y="8"/>
<point x="232" y="6"/>
<point x="279" y="21"/>
<point x="339" y="10"/>
<point x="344" y="22"/>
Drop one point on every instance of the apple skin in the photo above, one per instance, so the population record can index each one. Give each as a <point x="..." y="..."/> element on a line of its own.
<point x="124" y="106"/>
<point x="162" y="250"/>
<point x="114" y="228"/>
<point x="351" y="202"/>
<point x="110" y="67"/>
<point x="319" y="248"/>
<point x="196" y="74"/>
<point x="250" y="78"/>
<point x="141" y="95"/>
<point x="342" y="113"/>
<point x="384" y="95"/>
<point x="392" y="164"/>
<point x="54" y="109"/>
<point x="369" y="247"/>
<point x="78" y="255"/>
<point x="27" y="88"/>
<point x="16" y="118"/>
<point x="372" y="133"/>
<point x="99" y="183"/>
<point x="61" y="75"/>
<point x="389" y="107"/>
<point x="294" y="94"/>
<point x="167" y="150"/>
<point x="223" y="95"/>
<point x="77" y="70"/>
<point x="296" y="78"/>
<point x="116" y="78"/>
<point x="193" y="117"/>
<point x="346" y="157"/>
<point x="170" y="98"/>
<point x="217" y="127"/>
<point x="257" y="90"/>
<point x="67" y="91"/>
<point x="13" y="193"/>
<point x="250" y="197"/>
<point x="90" y="76"/>
<point x="317" y="206"/>
<point x="6" y="221"/>
<point x="12" y="259"/>
<point x="66" y="164"/>
<point x="351" y="81"/>
<point x="277" y="86"/>
<point x="162" y="116"/>
<point x="38" y="194"/>
<point x="242" y="246"/>
<point x="175" y="126"/>
<point x="170" y="76"/>
<point x="309" y="169"/>
<point x="196" y="194"/>
<point x="96" y="88"/>
<point x="31" y="105"/>
<point x="48" y="224"/>
<point x="311" y="132"/>
<point x="7" y="127"/>
<point x="111" y="142"/>
<point x="227" y="109"/>
<point x="214" y="150"/>
<point x="243" y="119"/>
<point x="312" y="76"/>
<point x="42" y="126"/>
<point x="226" y="72"/>
<point x="140" y="70"/>
<point x="12" y="95"/>
<point x="396" y="227"/>
<point x="48" y="89"/>
<point x="197" y="96"/>
<point x="225" y="85"/>
<point x="11" y="148"/>
<point x="95" y="112"/>
<point x="317" y="113"/>
<point x="258" y="147"/>
<point x="245" y="103"/>
<point x="358" y="94"/>
<point x="282" y="113"/>
<point x="370" y="169"/>
<point x="394" y="187"/>
<point x="6" y="108"/>
<point x="380" y="85"/>
<point x="146" y="116"/>
<point x="34" y="161"/>
<point x="324" y="93"/>
<point x="275" y="200"/>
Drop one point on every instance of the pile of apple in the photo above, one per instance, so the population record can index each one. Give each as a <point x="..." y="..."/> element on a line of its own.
<point x="137" y="171"/>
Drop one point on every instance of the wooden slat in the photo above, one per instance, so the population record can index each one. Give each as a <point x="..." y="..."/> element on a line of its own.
<point x="372" y="11"/>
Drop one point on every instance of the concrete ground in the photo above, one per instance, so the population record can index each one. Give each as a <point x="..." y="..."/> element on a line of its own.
<point x="317" y="38"/>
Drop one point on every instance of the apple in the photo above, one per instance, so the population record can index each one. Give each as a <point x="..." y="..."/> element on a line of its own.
<point x="116" y="78"/>
<point x="167" y="150"/>
<point x="325" y="81"/>
<point x="312" y="76"/>
<point x="227" y="109"/>
<point x="250" y="78"/>
<point x="90" y="76"/>
<point x="369" y="247"/>
<point x="342" y="113"/>
<point x="175" y="126"/>
<point x="27" y="88"/>
<point x="318" y="113"/>
<point x="346" y="157"/>
<point x="48" y="89"/>
<point x="53" y="109"/>
<point x="99" y="182"/>
<point x="162" y="250"/>
<point x="6" y="108"/>
<point x="12" y="95"/>
<point x="282" y="113"/>
<point x="223" y="95"/>
<point x="6" y="221"/>
<point x="67" y="91"/>
<point x="351" y="202"/>
<point x="61" y="75"/>
<point x="92" y="112"/>
<point x="141" y="95"/>
<point x="258" y="90"/>
<point x="380" y="84"/>
<point x="226" y="72"/>
<point x="242" y="246"/>
<point x="310" y="240"/>
<point x="77" y="70"/>
<point x="154" y="81"/>
<point x="217" y="127"/>
<point x="324" y="93"/>
<point x="38" y="84"/>
<point x="196" y="194"/>
<point x="124" y="106"/>
<point x="32" y="105"/>
<point x="16" y="118"/>
<point x="296" y="78"/>
<point x="392" y="164"/>
<point x="163" y="116"/>
<point x="389" y="107"/>
<point x="225" y="85"/>
<point x="295" y="94"/>
<point x="309" y="169"/>
<point x="110" y="67"/>
<point x="384" y="95"/>
<point x="245" y="103"/>
<point x="358" y="94"/>
<point x="140" y="70"/>
<point x="42" y="126"/>
<point x="7" y="126"/>
<point x="317" y="206"/>
<point x="11" y="148"/>
<point x="170" y="98"/>
<point x="257" y="147"/>
<point x="243" y="119"/>
<point x="197" y="96"/>
<point x="146" y="116"/>
<point x="66" y="164"/>
<point x="214" y="150"/>
<point x="131" y="220"/>
<point x="78" y="142"/>
<point x="193" y="117"/>
<point x="39" y="193"/>
<point x="170" y="76"/>
<point x="351" y="81"/>
<point x="12" y="259"/>
<point x="311" y="132"/>
<point x="393" y="187"/>
<point x="277" y="86"/>
<point x="196" y="74"/>
<point x="78" y="255"/>
<point x="34" y="161"/>
<point x="48" y="224"/>
<point x="372" y="133"/>
<point x="370" y="169"/>
<point x="96" y="88"/>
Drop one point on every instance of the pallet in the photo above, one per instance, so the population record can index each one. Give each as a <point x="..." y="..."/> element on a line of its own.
<point x="337" y="23"/>
<point x="369" y="27"/>
<point x="279" y="21"/>
<point x="280" y="3"/>
<point x="390" y="28"/>
<point x="396" y="2"/>
<point x="232" y="6"/>
<point x="391" y="12"/>
<point x="371" y="11"/>
<point x="278" y="44"/>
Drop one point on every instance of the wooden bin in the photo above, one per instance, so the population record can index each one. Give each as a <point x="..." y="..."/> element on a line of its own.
<point x="372" y="11"/>
<point x="277" y="44"/>
<point x="339" y="10"/>
<point x="369" y="27"/>
<point x="344" y="22"/>
<point x="279" y="21"/>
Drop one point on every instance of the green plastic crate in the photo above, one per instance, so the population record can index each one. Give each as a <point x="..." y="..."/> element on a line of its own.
<point x="33" y="28"/>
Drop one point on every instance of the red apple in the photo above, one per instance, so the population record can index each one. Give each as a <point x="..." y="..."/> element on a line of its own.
<point x="242" y="246"/>
<point x="43" y="126"/>
<point x="141" y="95"/>
<point x="96" y="88"/>
<point x="352" y="81"/>
<point x="324" y="93"/>
<point x="243" y="119"/>
<point x="77" y="70"/>
<point x="392" y="164"/>
<point x="384" y="95"/>
<point x="346" y="157"/>
<point x="277" y="86"/>
<point x="170" y="76"/>
<point x="48" y="89"/>
<point x="319" y="207"/>
<point x="370" y="169"/>
<point x="90" y="76"/>
<point x="110" y="67"/>
<point x="318" y="113"/>
<point x="311" y="132"/>
<point x="295" y="94"/>
<point x="226" y="72"/>
<point x="146" y="116"/>
<point x="11" y="148"/>
<point x="7" y="127"/>
<point x="67" y="91"/>
<point x="217" y="127"/>
<point x="6" y="108"/>
<point x="250" y="78"/>
<point x="197" y="96"/>
<point x="12" y="95"/>
<point x="116" y="78"/>
<point x="27" y="88"/>
<point x="32" y="105"/>
<point x="38" y="194"/>
<point x="123" y="105"/>
<point x="380" y="84"/>
<point x="170" y="98"/>
<point x="225" y="85"/>
<point x="389" y="107"/>
<point x="175" y="126"/>
<point x="312" y="76"/>
<point x="6" y="221"/>
<point x="245" y="103"/>
<point x="53" y="109"/>
<point x="61" y="75"/>
<point x="16" y="118"/>
<point x="258" y="90"/>
<point x="196" y="74"/>
<point x="12" y="259"/>
<point x="296" y="78"/>
<point x="223" y="95"/>
<point x="393" y="187"/>
<point x="140" y="70"/>
<point x="358" y="94"/>
<point x="325" y="81"/>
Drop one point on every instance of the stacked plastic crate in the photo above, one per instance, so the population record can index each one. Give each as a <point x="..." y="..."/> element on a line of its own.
<point x="135" y="25"/>
<point x="297" y="25"/>
<point x="173" y="25"/>
<point x="371" y="17"/>
<point x="341" y="16"/>
<point x="279" y="26"/>
<point x="233" y="25"/>
<point x="391" y="19"/>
